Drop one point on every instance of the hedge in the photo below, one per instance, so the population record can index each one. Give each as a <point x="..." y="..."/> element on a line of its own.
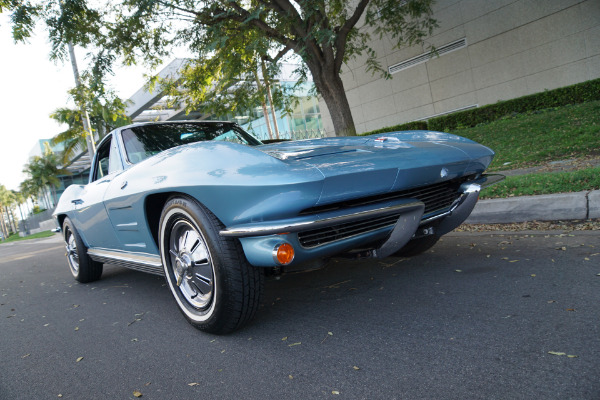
<point x="574" y="94"/>
<point x="409" y="126"/>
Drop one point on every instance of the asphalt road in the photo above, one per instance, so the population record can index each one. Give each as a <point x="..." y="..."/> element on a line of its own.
<point x="475" y="318"/>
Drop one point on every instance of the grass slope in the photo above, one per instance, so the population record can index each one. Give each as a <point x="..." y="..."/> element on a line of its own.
<point x="532" y="139"/>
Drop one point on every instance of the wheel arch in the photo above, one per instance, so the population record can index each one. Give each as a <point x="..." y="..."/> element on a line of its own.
<point x="153" y="206"/>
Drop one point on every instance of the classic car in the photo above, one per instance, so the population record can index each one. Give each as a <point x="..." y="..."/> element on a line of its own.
<point x="212" y="208"/>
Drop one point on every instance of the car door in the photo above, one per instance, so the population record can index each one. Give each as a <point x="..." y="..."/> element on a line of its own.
<point x="90" y="213"/>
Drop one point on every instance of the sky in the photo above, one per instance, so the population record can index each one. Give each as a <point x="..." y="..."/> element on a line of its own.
<point x="31" y="88"/>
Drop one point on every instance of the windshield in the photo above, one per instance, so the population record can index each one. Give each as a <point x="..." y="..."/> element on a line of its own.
<point x="144" y="141"/>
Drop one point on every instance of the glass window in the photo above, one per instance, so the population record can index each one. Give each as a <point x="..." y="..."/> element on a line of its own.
<point x="144" y="141"/>
<point x="102" y="157"/>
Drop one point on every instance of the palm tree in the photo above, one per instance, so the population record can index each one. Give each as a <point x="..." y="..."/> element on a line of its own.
<point x="6" y="201"/>
<point x="43" y="172"/>
<point x="106" y="112"/>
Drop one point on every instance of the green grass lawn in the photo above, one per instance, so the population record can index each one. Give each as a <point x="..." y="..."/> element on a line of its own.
<point x="15" y="237"/>
<point x="532" y="139"/>
<point x="545" y="183"/>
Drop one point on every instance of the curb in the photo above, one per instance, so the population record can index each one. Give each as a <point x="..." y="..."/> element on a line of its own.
<point x="551" y="207"/>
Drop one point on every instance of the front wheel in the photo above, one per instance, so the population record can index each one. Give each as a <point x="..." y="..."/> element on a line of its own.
<point x="215" y="287"/>
<point x="83" y="268"/>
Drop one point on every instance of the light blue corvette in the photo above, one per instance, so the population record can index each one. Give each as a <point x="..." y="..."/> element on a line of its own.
<point x="212" y="209"/>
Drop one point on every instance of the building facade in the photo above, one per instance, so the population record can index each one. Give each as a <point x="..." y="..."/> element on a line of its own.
<point x="487" y="51"/>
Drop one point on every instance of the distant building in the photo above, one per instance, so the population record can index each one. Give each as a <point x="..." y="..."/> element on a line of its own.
<point x="488" y="51"/>
<point x="304" y="121"/>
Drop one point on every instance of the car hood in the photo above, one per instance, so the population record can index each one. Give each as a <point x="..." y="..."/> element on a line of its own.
<point x="381" y="163"/>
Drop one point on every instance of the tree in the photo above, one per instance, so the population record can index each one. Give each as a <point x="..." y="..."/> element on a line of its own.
<point x="7" y="202"/>
<point x="42" y="174"/>
<point x="105" y="109"/>
<point x="69" y="22"/>
<point x="323" y="33"/>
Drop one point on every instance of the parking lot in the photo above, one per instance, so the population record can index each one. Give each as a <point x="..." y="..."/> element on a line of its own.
<point x="481" y="316"/>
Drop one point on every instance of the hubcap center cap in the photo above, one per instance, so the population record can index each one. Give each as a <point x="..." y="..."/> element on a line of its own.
<point x="183" y="267"/>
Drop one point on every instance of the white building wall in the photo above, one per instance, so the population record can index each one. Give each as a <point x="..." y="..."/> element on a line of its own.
<point x="514" y="48"/>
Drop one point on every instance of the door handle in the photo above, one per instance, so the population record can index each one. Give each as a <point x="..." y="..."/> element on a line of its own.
<point x="77" y="201"/>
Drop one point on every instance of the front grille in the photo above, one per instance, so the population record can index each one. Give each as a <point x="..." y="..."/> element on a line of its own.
<point x="317" y="237"/>
<point x="437" y="198"/>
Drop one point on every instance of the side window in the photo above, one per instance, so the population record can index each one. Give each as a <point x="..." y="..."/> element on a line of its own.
<point x="102" y="160"/>
<point x="114" y="159"/>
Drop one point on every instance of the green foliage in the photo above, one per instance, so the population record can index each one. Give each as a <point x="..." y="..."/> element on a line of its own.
<point x="531" y="139"/>
<point x="105" y="109"/>
<point x="409" y="126"/>
<point x="574" y="94"/>
<point x="15" y="237"/>
<point x="545" y="183"/>
<point x="234" y="37"/>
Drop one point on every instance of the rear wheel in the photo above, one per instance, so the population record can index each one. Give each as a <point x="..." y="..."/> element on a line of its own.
<point x="215" y="287"/>
<point x="83" y="268"/>
<point x="417" y="246"/>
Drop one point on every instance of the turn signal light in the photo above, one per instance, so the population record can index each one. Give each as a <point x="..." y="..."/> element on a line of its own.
<point x="283" y="253"/>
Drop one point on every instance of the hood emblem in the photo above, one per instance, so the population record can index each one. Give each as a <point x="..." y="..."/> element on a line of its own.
<point x="444" y="172"/>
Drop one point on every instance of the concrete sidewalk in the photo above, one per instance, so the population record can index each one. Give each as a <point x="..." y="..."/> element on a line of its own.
<point x="552" y="207"/>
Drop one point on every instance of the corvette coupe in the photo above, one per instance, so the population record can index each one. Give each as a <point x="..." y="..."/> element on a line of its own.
<point x="212" y="208"/>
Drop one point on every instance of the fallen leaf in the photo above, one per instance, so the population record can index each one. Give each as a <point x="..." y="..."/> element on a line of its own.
<point x="290" y="376"/>
<point x="356" y="368"/>
<point x="551" y="301"/>
<point x="572" y="356"/>
<point x="557" y="353"/>
<point x="513" y="261"/>
<point x="79" y="359"/>
<point x="137" y="394"/>
<point x="194" y="384"/>
<point x="26" y="355"/>
<point x="76" y="328"/>
<point x="458" y="270"/>
<point x="330" y="333"/>
<point x="533" y="275"/>
<point x="294" y="344"/>
<point x="335" y="392"/>
<point x="570" y="309"/>
<point x="284" y="338"/>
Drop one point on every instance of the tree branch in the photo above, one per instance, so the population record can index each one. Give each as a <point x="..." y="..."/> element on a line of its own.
<point x="340" y="41"/>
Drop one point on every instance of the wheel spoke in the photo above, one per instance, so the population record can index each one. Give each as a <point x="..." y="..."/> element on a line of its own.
<point x="191" y="266"/>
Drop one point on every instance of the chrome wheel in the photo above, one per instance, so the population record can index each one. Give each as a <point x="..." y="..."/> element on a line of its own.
<point x="72" y="255"/>
<point x="191" y="263"/>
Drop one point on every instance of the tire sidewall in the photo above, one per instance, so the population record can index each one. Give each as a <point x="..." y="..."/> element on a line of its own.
<point x="175" y="210"/>
<point x="69" y="229"/>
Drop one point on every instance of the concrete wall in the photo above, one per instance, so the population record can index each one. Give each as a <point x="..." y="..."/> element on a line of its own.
<point x="514" y="48"/>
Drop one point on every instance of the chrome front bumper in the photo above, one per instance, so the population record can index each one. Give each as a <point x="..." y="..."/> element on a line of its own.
<point x="258" y="239"/>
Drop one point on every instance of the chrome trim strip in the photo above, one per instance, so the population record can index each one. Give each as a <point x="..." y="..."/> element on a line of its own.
<point x="262" y="230"/>
<point x="433" y="218"/>
<point x="125" y="257"/>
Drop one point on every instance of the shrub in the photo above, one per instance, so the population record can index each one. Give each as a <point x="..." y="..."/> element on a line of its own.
<point x="410" y="126"/>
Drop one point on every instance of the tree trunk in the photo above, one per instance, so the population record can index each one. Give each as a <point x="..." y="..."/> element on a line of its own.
<point x="330" y="86"/>
<point x="4" y="231"/>
<point x="264" y="106"/>
<point x="270" y="97"/>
